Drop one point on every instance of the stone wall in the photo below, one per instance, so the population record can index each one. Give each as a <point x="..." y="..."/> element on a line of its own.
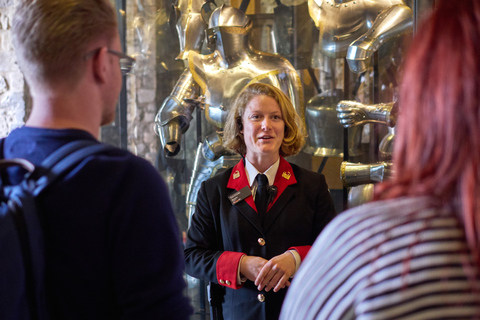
<point x="142" y="84"/>
<point x="13" y="99"/>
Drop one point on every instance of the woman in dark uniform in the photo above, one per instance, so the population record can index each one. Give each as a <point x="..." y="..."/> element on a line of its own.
<point x="255" y="223"/>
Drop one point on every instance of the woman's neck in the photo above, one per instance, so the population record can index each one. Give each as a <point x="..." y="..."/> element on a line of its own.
<point x="262" y="163"/>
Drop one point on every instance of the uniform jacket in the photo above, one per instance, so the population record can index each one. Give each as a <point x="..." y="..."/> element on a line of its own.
<point x="221" y="232"/>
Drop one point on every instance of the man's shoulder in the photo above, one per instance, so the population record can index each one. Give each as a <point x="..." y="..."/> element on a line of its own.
<point x="120" y="162"/>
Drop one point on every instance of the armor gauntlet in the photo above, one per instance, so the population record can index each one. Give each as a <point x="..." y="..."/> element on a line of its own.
<point x="353" y="113"/>
<point x="213" y="147"/>
<point x="354" y="174"/>
<point x="392" y="22"/>
<point x="173" y="118"/>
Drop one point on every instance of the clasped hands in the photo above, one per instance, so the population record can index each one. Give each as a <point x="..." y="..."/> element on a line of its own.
<point x="267" y="274"/>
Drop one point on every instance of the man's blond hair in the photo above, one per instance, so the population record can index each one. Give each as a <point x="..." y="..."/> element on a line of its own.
<point x="51" y="36"/>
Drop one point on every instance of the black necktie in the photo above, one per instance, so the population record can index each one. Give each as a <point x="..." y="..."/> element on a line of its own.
<point x="261" y="197"/>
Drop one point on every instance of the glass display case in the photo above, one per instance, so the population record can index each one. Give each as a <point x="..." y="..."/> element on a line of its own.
<point x="346" y="58"/>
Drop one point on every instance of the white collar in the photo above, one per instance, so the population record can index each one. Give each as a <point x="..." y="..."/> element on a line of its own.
<point x="252" y="172"/>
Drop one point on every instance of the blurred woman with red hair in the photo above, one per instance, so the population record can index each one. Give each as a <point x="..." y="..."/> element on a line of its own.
<point x="413" y="253"/>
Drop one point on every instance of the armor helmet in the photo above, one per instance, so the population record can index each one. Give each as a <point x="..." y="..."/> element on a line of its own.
<point x="227" y="16"/>
<point x="226" y="27"/>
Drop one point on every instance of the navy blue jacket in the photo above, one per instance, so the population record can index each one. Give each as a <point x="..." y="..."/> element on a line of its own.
<point x="113" y="249"/>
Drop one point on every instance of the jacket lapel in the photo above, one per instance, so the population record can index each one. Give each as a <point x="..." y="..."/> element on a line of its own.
<point x="237" y="181"/>
<point x="283" y="179"/>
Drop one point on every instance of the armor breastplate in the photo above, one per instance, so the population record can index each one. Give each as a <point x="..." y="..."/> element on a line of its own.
<point x="221" y="86"/>
<point x="341" y="25"/>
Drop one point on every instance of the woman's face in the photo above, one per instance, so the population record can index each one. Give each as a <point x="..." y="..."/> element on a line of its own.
<point x="263" y="127"/>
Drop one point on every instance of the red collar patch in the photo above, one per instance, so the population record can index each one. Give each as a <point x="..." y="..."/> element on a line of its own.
<point x="283" y="178"/>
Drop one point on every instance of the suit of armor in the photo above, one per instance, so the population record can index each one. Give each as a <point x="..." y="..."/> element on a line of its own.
<point x="355" y="30"/>
<point x="212" y="82"/>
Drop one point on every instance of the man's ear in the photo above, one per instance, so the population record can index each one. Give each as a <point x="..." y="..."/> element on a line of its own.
<point x="101" y="65"/>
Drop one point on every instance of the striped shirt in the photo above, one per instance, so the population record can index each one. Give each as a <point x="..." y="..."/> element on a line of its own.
<point x="405" y="258"/>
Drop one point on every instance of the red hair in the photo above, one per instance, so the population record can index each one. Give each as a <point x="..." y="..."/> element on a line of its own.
<point x="437" y="148"/>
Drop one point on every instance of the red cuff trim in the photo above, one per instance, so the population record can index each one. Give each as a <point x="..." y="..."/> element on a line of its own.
<point x="227" y="269"/>
<point x="302" y="250"/>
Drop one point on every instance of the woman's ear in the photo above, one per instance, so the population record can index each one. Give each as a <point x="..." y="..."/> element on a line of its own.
<point x="240" y="124"/>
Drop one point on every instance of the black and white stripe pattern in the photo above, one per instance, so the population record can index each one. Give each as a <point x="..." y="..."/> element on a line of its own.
<point x="395" y="259"/>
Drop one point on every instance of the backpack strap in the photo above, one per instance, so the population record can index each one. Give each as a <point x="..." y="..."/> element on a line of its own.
<point x="63" y="160"/>
<point x="23" y="212"/>
<point x="2" y="172"/>
<point x="64" y="151"/>
<point x="2" y="142"/>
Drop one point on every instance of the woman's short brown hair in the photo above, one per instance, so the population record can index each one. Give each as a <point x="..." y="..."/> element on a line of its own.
<point x="294" y="137"/>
